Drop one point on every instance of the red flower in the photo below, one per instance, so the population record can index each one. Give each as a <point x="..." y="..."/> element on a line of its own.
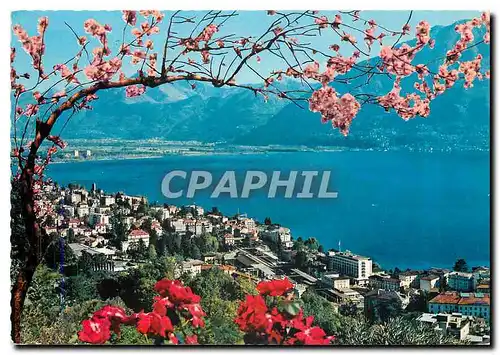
<point x="197" y="313"/>
<point x="309" y="335"/>
<point x="253" y="316"/>
<point x="95" y="331"/>
<point x="161" y="304"/>
<point x="176" y="292"/>
<point x="191" y="339"/>
<point x="115" y="315"/>
<point x="173" y="338"/>
<point x="274" y="287"/>
<point x="111" y="312"/>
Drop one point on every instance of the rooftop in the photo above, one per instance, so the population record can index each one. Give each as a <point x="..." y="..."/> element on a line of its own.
<point x="138" y="233"/>
<point x="349" y="255"/>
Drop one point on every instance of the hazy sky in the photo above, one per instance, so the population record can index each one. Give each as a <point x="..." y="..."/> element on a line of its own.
<point x="61" y="43"/>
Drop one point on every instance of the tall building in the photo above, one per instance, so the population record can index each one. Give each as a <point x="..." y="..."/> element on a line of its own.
<point x="356" y="266"/>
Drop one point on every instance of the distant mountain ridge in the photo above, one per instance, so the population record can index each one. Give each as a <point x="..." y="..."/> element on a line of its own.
<point x="459" y="118"/>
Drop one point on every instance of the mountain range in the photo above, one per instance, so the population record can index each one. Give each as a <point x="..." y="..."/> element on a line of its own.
<point x="459" y="119"/>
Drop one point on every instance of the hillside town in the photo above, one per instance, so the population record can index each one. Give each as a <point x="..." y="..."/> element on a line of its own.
<point x="117" y="232"/>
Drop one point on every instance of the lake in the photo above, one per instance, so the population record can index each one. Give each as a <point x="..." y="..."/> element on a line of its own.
<point x="404" y="209"/>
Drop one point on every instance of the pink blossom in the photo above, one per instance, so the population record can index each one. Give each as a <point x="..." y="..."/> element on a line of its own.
<point x="335" y="47"/>
<point x="470" y="70"/>
<point x="348" y="38"/>
<point x="339" y="111"/>
<point x="157" y="15"/>
<point x="341" y="64"/>
<point x="423" y="32"/>
<point x="205" y="56"/>
<point x="369" y="36"/>
<point x="66" y="73"/>
<point x="138" y="56"/>
<point x="337" y="21"/>
<point x="406" y="107"/>
<point x="31" y="110"/>
<point x="130" y="17"/>
<point x="43" y="23"/>
<point x="322" y="22"/>
<point x="103" y="71"/>
<point x="277" y="31"/>
<point x="34" y="45"/>
<point x="398" y="60"/>
<point x="207" y="33"/>
<point x="311" y="70"/>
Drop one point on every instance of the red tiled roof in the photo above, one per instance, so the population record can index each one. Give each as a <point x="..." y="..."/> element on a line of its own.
<point x="475" y="300"/>
<point x="446" y="298"/>
<point x="138" y="233"/>
<point x="455" y="298"/>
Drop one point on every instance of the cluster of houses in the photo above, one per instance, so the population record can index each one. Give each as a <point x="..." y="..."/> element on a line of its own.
<point x="266" y="251"/>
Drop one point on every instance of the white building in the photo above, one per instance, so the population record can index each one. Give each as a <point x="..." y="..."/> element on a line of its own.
<point x="82" y="210"/>
<point x="191" y="266"/>
<point x="276" y="234"/>
<point x="178" y="225"/>
<point x="134" y="237"/>
<point x="346" y="263"/>
<point x="410" y="279"/>
<point x="455" y="324"/>
<point x="334" y="280"/>
<point x="385" y="282"/>
<point x="107" y="200"/>
<point x="165" y="213"/>
<point x="427" y="283"/>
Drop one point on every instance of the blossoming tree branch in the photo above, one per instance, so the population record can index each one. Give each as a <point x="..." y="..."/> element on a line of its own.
<point x="198" y="49"/>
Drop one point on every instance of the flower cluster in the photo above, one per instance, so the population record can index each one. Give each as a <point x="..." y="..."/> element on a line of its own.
<point x="398" y="61"/>
<point x="340" y="111"/>
<point x="33" y="45"/>
<point x="407" y="107"/>
<point x="175" y="308"/>
<point x="281" y="322"/>
<point x="135" y="90"/>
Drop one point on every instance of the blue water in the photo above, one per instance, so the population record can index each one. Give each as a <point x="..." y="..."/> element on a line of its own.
<point x="404" y="209"/>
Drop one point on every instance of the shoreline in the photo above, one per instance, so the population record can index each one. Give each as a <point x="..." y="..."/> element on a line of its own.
<point x="256" y="152"/>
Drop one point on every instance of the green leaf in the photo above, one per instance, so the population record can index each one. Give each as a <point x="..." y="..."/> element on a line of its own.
<point x="292" y="307"/>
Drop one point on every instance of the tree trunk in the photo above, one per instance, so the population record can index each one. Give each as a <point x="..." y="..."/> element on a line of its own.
<point x="19" y="290"/>
<point x="28" y="266"/>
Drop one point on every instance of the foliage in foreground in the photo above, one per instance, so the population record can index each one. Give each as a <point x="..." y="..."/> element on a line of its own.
<point x="46" y="320"/>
